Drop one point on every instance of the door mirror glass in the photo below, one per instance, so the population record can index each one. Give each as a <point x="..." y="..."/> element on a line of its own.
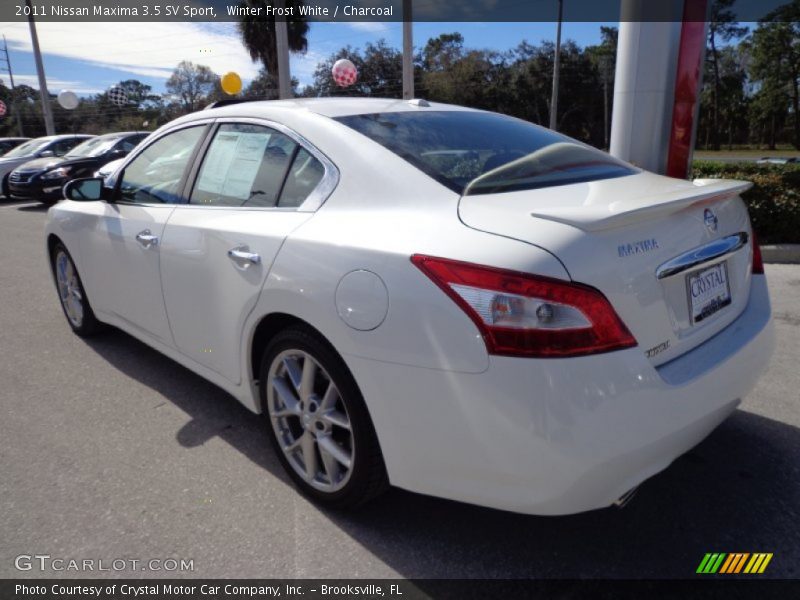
<point x="85" y="190"/>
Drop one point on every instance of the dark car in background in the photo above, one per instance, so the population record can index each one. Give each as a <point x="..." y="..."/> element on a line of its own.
<point x="43" y="178"/>
<point x="43" y="147"/>
<point x="9" y="143"/>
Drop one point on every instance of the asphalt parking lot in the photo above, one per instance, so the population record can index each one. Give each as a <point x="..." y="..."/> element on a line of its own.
<point x="110" y="450"/>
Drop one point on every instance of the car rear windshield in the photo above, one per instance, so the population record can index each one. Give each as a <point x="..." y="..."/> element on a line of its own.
<point x="475" y="152"/>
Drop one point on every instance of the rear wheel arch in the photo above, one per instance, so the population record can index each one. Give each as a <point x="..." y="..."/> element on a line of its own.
<point x="268" y="327"/>
<point x="367" y="475"/>
<point x="52" y="241"/>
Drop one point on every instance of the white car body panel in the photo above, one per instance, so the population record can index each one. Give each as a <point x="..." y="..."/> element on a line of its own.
<point x="121" y="274"/>
<point x="207" y="296"/>
<point x="544" y="436"/>
<point x="566" y="436"/>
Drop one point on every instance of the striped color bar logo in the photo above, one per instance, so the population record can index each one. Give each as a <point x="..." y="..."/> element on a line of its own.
<point x="733" y="563"/>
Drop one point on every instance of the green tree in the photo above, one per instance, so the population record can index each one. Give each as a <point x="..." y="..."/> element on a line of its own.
<point x="258" y="33"/>
<point x="190" y="85"/>
<point x="722" y="26"/>
<point x="379" y="69"/>
<point x="604" y="59"/>
<point x="776" y="60"/>
<point x="265" y="87"/>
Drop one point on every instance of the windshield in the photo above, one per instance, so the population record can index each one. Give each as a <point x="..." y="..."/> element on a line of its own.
<point x="92" y="147"/>
<point x="27" y="148"/>
<point x="481" y="153"/>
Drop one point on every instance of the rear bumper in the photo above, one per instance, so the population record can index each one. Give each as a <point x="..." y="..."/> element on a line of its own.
<point x="559" y="436"/>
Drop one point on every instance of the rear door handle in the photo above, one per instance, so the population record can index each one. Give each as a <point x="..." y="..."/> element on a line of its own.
<point x="242" y="256"/>
<point x="147" y="239"/>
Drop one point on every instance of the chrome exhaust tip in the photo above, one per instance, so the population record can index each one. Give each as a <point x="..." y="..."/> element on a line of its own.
<point x="623" y="500"/>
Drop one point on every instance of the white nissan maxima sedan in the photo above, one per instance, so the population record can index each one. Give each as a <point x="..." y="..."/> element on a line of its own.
<point x="447" y="300"/>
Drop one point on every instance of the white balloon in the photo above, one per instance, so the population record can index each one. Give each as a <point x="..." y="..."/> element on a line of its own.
<point x="68" y="99"/>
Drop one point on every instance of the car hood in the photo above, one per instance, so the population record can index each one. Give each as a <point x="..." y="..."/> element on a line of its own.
<point x="40" y="164"/>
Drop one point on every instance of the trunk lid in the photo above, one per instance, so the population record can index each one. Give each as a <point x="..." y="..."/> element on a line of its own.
<point x="672" y="256"/>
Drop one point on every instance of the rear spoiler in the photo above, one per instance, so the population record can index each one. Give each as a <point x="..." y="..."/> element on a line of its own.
<point x="626" y="212"/>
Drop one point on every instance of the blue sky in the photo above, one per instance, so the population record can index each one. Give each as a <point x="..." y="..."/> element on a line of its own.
<point x="90" y="57"/>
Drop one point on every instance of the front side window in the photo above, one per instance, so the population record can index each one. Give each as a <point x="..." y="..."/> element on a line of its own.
<point x="474" y="152"/>
<point x="245" y="165"/>
<point x="155" y="175"/>
<point x="61" y="147"/>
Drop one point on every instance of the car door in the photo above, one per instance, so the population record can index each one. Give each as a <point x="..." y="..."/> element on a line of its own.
<point x="122" y="244"/>
<point x="254" y="186"/>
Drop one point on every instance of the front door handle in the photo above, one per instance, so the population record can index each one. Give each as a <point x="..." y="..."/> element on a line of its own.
<point x="242" y="256"/>
<point x="147" y="239"/>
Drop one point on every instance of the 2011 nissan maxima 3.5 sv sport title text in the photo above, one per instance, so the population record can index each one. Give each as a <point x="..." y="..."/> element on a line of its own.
<point x="451" y="301"/>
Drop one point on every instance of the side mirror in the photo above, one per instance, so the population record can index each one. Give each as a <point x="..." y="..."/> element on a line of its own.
<point x="86" y="189"/>
<point x="46" y="154"/>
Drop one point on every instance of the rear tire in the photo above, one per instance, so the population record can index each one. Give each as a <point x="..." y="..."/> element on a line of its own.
<point x="72" y="294"/>
<point x="318" y="422"/>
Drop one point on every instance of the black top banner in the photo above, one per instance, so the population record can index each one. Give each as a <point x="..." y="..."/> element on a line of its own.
<point x="387" y="10"/>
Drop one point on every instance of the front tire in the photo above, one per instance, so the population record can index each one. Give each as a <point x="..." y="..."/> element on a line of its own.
<point x="72" y="295"/>
<point x="318" y="422"/>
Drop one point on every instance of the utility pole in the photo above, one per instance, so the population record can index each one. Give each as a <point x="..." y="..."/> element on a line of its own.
<point x="606" y="68"/>
<point x="13" y="94"/>
<point x="556" y="70"/>
<point x="46" y="108"/>
<point x="282" y="51"/>
<point x="408" y="51"/>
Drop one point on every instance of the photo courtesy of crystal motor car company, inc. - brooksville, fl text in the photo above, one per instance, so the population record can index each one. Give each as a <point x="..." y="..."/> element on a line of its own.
<point x="399" y="298"/>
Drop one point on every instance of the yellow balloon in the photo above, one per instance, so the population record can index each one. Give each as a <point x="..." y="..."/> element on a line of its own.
<point x="231" y="83"/>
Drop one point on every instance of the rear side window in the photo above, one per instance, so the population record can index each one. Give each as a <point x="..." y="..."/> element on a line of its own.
<point x="245" y="166"/>
<point x="474" y="152"/>
<point x="306" y="172"/>
<point x="253" y="165"/>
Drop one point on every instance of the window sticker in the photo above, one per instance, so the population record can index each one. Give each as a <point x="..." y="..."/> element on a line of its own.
<point x="232" y="163"/>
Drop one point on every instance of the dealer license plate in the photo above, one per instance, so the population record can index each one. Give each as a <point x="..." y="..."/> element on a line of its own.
<point x="708" y="291"/>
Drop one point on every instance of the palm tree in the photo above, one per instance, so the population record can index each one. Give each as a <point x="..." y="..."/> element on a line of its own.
<point x="258" y="33"/>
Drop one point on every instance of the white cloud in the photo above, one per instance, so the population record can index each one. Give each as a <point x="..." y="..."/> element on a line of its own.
<point x="304" y="65"/>
<point x="368" y="26"/>
<point x="54" y="85"/>
<point x="144" y="49"/>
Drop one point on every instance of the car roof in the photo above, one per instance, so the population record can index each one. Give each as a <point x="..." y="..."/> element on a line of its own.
<point x="120" y="134"/>
<point x="64" y="136"/>
<point x="328" y="107"/>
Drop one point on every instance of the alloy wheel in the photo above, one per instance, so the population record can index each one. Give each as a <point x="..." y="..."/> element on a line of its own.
<point x="310" y="420"/>
<point x="69" y="289"/>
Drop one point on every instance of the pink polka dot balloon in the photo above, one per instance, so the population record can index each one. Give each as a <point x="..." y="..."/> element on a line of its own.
<point x="344" y="72"/>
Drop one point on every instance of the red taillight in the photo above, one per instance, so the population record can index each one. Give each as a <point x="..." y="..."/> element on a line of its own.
<point x="758" y="263"/>
<point x="525" y="315"/>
